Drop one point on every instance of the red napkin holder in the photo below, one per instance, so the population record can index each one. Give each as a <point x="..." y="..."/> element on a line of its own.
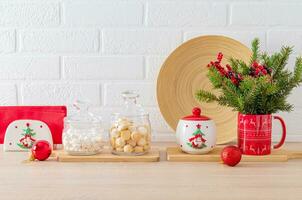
<point x="51" y="115"/>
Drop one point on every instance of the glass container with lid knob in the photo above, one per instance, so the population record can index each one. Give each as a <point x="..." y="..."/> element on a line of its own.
<point x="82" y="134"/>
<point x="130" y="132"/>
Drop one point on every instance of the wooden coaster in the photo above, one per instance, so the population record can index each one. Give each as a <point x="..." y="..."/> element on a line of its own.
<point x="107" y="156"/>
<point x="281" y="155"/>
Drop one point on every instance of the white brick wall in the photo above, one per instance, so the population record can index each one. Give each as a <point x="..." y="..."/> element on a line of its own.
<point x="56" y="51"/>
<point x="25" y="67"/>
<point x="143" y="41"/>
<point x="27" y="14"/>
<point x="59" y="41"/>
<point x="7" y="41"/>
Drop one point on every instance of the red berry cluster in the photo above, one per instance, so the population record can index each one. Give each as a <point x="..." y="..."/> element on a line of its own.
<point x="229" y="73"/>
<point x="259" y="70"/>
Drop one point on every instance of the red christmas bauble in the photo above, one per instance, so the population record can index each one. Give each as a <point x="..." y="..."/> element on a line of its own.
<point x="41" y="150"/>
<point x="231" y="155"/>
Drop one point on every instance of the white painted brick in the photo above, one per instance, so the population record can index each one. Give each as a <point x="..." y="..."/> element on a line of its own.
<point x="167" y="137"/>
<point x="29" y="14"/>
<point x="60" y="41"/>
<point x="186" y="14"/>
<point x="295" y="97"/>
<point x="8" y="94"/>
<point x="277" y="38"/>
<point x="291" y="62"/>
<point x="35" y="93"/>
<point x="245" y="37"/>
<point x="145" y="90"/>
<point x="271" y="14"/>
<point x="140" y="41"/>
<point x="17" y="67"/>
<point x="103" y="14"/>
<point x="7" y="41"/>
<point x="153" y="65"/>
<point x="105" y="67"/>
<point x="158" y="123"/>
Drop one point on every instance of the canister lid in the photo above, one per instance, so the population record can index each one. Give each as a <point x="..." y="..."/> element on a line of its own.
<point x="131" y="108"/>
<point x="196" y="115"/>
<point x="82" y="115"/>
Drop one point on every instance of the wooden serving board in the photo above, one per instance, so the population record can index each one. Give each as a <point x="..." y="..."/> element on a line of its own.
<point x="281" y="155"/>
<point x="107" y="156"/>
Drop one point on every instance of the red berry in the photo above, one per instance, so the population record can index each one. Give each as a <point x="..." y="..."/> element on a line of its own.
<point x="41" y="150"/>
<point x="239" y="77"/>
<point x="219" y="56"/>
<point x="255" y="64"/>
<point x="231" y="155"/>
<point x="229" y="67"/>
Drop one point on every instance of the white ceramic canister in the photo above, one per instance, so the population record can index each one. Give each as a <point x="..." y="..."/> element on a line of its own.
<point x="196" y="134"/>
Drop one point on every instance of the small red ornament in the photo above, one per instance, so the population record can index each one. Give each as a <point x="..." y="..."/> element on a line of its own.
<point x="231" y="155"/>
<point x="41" y="150"/>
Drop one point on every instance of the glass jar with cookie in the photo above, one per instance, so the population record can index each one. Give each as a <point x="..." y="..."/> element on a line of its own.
<point x="130" y="132"/>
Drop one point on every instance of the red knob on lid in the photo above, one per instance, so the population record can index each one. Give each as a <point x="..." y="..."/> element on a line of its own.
<point x="196" y="115"/>
<point x="196" y="111"/>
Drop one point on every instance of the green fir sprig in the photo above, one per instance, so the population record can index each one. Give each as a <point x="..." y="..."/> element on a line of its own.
<point x="258" y="87"/>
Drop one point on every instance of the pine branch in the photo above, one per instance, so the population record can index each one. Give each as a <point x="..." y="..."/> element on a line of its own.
<point x="281" y="61"/>
<point x="297" y="78"/>
<point x="239" y="66"/>
<point x="259" y="87"/>
<point x="255" y="50"/>
<point x="202" y="95"/>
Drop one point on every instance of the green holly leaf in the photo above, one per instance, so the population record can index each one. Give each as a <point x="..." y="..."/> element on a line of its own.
<point x="189" y="144"/>
<point x="22" y="146"/>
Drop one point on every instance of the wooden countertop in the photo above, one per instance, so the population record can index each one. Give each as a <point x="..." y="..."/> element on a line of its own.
<point x="159" y="180"/>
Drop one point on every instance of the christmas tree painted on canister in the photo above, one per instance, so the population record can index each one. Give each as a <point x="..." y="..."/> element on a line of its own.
<point x="197" y="141"/>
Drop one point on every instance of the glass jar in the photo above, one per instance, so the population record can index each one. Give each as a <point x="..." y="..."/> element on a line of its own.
<point x="82" y="134"/>
<point x="130" y="132"/>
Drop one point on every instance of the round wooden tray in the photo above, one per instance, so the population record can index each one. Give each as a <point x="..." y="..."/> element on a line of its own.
<point x="184" y="72"/>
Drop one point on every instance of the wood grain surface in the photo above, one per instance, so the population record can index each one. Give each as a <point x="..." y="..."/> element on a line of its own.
<point x="185" y="71"/>
<point x="51" y="180"/>
<point x="278" y="155"/>
<point x="107" y="156"/>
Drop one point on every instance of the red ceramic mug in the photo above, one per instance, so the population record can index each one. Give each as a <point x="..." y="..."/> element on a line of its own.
<point x="255" y="133"/>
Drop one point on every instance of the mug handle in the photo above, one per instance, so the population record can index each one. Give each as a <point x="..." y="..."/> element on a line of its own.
<point x="283" y="132"/>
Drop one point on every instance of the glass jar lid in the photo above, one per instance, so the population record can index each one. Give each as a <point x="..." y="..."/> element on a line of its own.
<point x="82" y="116"/>
<point x="131" y="108"/>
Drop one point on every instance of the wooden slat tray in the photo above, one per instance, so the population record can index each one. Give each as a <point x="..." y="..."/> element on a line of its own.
<point x="281" y="155"/>
<point x="107" y="156"/>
